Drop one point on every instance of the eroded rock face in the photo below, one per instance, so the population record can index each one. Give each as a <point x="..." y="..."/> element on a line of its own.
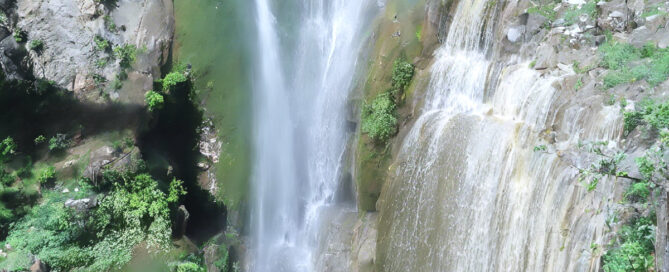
<point x="364" y="244"/>
<point x="68" y="30"/>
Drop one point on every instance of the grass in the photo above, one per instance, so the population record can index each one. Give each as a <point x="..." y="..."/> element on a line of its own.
<point x="628" y="64"/>
<point x="572" y="15"/>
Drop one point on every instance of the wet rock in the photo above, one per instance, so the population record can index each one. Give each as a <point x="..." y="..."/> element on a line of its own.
<point x="514" y="34"/>
<point x="546" y="57"/>
<point x="81" y="204"/>
<point x="364" y="244"/>
<point x="535" y="23"/>
<point x="613" y="15"/>
<point x="68" y="29"/>
<point x="182" y="221"/>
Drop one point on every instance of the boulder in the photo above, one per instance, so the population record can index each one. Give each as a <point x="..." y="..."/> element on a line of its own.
<point x="68" y="30"/>
<point x="38" y="266"/>
<point x="364" y="243"/>
<point x="181" y="222"/>
<point x="81" y="204"/>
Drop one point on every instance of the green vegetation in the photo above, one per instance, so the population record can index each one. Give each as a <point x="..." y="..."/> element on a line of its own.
<point x="40" y="140"/>
<point x="36" y="45"/>
<point x="19" y="35"/>
<point x="629" y="64"/>
<point x="154" y="100"/>
<point x="540" y="148"/>
<point x="633" y="249"/>
<point x="59" y="142"/>
<point x="47" y="175"/>
<point x="101" y="44"/>
<point x="545" y="8"/>
<point x="655" y="115"/>
<point x="126" y="54"/>
<point x="379" y="121"/>
<point x="401" y="77"/>
<point x="572" y="15"/>
<point x="7" y="149"/>
<point x="109" y="23"/>
<point x="172" y="79"/>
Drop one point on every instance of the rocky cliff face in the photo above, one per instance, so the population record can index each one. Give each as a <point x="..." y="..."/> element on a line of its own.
<point x="467" y="191"/>
<point x="72" y="43"/>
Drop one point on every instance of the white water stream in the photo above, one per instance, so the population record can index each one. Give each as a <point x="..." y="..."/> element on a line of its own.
<point x="300" y="136"/>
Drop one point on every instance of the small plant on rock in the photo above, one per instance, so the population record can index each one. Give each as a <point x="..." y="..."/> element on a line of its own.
<point x="154" y="100"/>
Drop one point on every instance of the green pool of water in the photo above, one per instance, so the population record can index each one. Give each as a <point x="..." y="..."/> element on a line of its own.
<point x="212" y="35"/>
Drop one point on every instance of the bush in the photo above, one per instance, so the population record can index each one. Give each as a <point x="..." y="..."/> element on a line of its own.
<point x="40" y="139"/>
<point x="36" y="45"/>
<point x="401" y="75"/>
<point x="154" y="100"/>
<point x="126" y="54"/>
<point x="101" y="44"/>
<point x="47" y="175"/>
<point x="172" y="79"/>
<point x="638" y="192"/>
<point x="379" y="121"/>
<point x="634" y="250"/>
<point x="59" y="142"/>
<point x="7" y="149"/>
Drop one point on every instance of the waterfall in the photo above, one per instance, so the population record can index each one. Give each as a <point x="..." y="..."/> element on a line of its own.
<point x="300" y="136"/>
<point x="468" y="192"/>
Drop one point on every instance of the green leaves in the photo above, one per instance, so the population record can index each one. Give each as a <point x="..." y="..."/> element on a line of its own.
<point x="379" y="121"/>
<point x="154" y="100"/>
<point x="172" y="79"/>
<point x="7" y="149"/>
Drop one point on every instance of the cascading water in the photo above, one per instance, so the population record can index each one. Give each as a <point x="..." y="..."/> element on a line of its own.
<point x="300" y="126"/>
<point x="468" y="192"/>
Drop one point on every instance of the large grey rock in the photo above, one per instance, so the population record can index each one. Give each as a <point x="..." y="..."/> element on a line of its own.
<point x="81" y="204"/>
<point x="68" y="29"/>
<point x="613" y="15"/>
<point x="364" y="244"/>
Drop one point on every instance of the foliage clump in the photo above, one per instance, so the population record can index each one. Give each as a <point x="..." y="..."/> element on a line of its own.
<point x="135" y="212"/>
<point x="379" y="121"/>
<point x="172" y="79"/>
<point x="59" y="142"/>
<point x="629" y="64"/>
<point x="154" y="100"/>
<point x="633" y="249"/>
<point x="7" y="149"/>
<point x="379" y="118"/>
<point x="126" y="54"/>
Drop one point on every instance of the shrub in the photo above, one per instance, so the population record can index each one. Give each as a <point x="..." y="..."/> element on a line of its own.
<point x="109" y="23"/>
<point x="154" y="100"/>
<point x="126" y="54"/>
<point x="638" y="192"/>
<point x="59" y="142"/>
<point x="379" y="121"/>
<point x="40" y="139"/>
<point x="7" y="149"/>
<point x="175" y="191"/>
<point x="402" y="74"/>
<point x="172" y="79"/>
<point x="19" y="36"/>
<point x="634" y="250"/>
<point x="616" y="55"/>
<point x="36" y="45"/>
<point x="101" y="44"/>
<point x="47" y="175"/>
